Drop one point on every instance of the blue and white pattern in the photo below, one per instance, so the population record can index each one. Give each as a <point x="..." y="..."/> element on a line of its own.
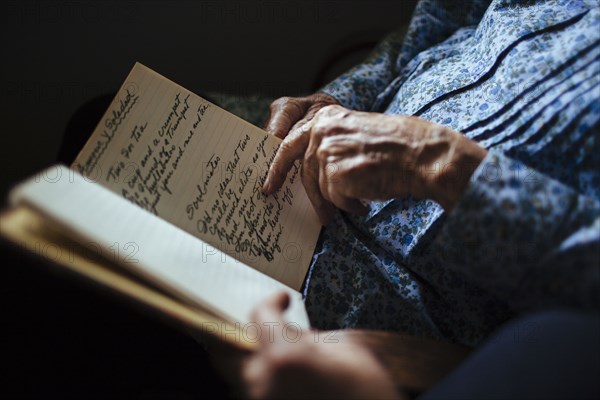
<point x="523" y="79"/>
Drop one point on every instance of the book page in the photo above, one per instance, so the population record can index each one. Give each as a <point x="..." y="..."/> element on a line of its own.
<point x="201" y="168"/>
<point x="32" y="231"/>
<point x="150" y="247"/>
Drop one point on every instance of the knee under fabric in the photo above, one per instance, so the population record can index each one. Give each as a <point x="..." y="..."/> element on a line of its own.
<point x="546" y="355"/>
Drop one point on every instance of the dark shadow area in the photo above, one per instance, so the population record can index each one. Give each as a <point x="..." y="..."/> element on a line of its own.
<point x="60" y="54"/>
<point x="64" y="338"/>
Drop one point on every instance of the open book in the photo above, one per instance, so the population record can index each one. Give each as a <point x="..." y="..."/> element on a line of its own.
<point x="164" y="204"/>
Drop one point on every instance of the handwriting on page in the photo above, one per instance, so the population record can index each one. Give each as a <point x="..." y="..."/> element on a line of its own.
<point x="242" y="221"/>
<point x="249" y="224"/>
<point x="202" y="169"/>
<point x="107" y="133"/>
<point x="149" y="180"/>
<point x="146" y="173"/>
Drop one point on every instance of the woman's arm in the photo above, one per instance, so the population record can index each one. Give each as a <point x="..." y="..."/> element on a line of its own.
<point x="524" y="236"/>
<point x="511" y="230"/>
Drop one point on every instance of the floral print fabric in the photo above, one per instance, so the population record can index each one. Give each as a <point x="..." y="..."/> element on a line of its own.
<point x="522" y="79"/>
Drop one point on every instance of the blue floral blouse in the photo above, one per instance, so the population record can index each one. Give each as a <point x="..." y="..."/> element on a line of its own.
<point x="522" y="78"/>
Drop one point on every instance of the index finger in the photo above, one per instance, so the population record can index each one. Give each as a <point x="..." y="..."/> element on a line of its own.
<point x="291" y="149"/>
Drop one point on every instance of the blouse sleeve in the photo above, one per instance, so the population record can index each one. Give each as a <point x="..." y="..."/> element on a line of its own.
<point x="529" y="239"/>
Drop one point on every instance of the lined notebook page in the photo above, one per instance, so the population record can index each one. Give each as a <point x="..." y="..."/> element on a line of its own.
<point x="202" y="169"/>
<point x="152" y="247"/>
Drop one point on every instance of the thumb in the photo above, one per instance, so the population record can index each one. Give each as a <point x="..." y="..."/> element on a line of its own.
<point x="271" y="309"/>
<point x="269" y="316"/>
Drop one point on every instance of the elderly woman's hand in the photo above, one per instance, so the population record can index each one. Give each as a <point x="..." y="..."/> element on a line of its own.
<point x="349" y="156"/>
<point x="291" y="113"/>
<point x="307" y="367"/>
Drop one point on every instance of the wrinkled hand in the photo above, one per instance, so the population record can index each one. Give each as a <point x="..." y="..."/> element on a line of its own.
<point x="309" y="368"/>
<point x="288" y="114"/>
<point x="350" y="156"/>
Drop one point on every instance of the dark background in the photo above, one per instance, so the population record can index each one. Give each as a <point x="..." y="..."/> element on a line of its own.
<point x="59" y="54"/>
<point x="61" y="339"/>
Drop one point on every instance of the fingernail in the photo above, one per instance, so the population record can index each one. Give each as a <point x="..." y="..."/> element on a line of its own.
<point x="267" y="186"/>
